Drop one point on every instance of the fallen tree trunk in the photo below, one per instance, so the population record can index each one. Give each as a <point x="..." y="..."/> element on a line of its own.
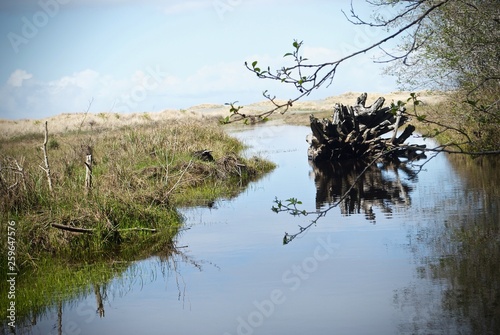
<point x="356" y="132"/>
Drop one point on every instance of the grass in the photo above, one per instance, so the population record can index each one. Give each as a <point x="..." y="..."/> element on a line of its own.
<point x="141" y="175"/>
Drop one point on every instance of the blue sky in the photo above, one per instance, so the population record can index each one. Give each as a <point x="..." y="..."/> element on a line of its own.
<point x="131" y="56"/>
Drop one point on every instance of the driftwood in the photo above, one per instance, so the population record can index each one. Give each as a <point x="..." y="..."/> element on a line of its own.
<point x="91" y="231"/>
<point x="72" y="229"/>
<point x="356" y="132"/>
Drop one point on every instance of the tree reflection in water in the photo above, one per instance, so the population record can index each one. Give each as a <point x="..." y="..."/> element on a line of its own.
<point x="457" y="285"/>
<point x="383" y="185"/>
<point x="456" y="250"/>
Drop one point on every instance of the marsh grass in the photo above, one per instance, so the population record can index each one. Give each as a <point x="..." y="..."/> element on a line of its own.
<point x="140" y="176"/>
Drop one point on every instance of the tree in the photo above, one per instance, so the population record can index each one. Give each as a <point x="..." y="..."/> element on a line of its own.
<point x="458" y="48"/>
<point x="456" y="42"/>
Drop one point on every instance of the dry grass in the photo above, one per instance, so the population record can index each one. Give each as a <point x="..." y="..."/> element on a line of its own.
<point x="140" y="174"/>
<point x="209" y="113"/>
<point x="85" y="122"/>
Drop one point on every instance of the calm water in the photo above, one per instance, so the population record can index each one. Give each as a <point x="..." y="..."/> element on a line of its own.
<point x="402" y="254"/>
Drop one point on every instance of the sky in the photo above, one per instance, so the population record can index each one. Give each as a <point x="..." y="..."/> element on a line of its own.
<point x="124" y="56"/>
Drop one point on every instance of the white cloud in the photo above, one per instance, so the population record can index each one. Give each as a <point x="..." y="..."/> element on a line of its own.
<point x="82" y="80"/>
<point x="17" y="78"/>
<point x="154" y="88"/>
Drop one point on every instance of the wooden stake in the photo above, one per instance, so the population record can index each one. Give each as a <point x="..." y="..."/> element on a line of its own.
<point x="46" y="158"/>
<point x="88" y="174"/>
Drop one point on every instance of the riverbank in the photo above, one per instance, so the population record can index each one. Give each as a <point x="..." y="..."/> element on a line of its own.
<point x="140" y="175"/>
<point x="66" y="231"/>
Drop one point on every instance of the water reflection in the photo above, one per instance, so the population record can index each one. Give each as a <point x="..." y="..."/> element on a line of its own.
<point x="357" y="188"/>
<point x="458" y="287"/>
<point x="87" y="309"/>
<point x="429" y="265"/>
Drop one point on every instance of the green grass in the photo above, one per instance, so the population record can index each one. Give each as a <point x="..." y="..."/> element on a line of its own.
<point x="140" y="177"/>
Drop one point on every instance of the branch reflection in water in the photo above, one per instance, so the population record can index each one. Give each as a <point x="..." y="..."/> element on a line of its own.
<point x="356" y="187"/>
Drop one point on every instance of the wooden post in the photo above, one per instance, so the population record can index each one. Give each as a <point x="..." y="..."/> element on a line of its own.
<point x="88" y="173"/>
<point x="98" y="298"/>
<point x="46" y="157"/>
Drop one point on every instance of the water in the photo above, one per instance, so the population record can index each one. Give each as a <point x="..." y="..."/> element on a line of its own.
<point x="403" y="254"/>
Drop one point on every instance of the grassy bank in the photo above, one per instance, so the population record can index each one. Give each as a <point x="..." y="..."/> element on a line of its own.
<point x="140" y="176"/>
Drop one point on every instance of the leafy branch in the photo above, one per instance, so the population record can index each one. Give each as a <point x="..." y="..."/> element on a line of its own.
<point x="308" y="77"/>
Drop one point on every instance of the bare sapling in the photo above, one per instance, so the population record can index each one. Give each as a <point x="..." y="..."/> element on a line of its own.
<point x="46" y="158"/>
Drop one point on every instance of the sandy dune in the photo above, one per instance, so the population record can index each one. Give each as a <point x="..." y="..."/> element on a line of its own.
<point x="91" y="121"/>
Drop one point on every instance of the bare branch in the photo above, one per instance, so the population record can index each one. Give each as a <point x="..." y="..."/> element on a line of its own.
<point x="315" y="80"/>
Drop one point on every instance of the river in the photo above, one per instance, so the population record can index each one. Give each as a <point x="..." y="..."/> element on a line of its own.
<point x="404" y="253"/>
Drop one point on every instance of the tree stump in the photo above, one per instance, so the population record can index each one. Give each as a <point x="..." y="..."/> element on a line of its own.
<point x="356" y="132"/>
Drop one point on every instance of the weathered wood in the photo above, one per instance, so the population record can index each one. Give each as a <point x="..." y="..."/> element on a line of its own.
<point x="88" y="174"/>
<point x="355" y="132"/>
<point x="205" y="155"/>
<point x="91" y="231"/>
<point x="72" y="229"/>
<point x="46" y="158"/>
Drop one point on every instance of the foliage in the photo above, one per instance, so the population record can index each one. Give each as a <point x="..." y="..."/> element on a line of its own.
<point x="457" y="47"/>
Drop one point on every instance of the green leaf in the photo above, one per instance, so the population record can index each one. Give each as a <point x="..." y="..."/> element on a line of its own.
<point x="254" y="63"/>
<point x="288" y="54"/>
<point x="225" y="120"/>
